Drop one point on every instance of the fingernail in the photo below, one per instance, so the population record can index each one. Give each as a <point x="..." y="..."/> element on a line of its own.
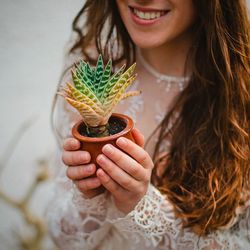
<point x="74" y="143"/>
<point x="89" y="168"/>
<point x="108" y="149"/>
<point x="121" y="141"/>
<point x="100" y="173"/>
<point x="100" y="158"/>
<point x="85" y="156"/>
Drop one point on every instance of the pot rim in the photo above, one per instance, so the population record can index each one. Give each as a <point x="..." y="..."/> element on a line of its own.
<point x="129" y="126"/>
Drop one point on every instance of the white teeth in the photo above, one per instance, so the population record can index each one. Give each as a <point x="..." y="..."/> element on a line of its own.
<point x="148" y="15"/>
<point x="140" y="14"/>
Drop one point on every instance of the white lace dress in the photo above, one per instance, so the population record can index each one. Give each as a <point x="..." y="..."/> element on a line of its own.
<point x="77" y="223"/>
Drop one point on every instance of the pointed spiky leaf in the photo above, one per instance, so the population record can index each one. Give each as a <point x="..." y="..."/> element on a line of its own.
<point x="89" y="116"/>
<point x="78" y="96"/>
<point x="112" y="81"/>
<point x="66" y="93"/>
<point x="109" y="105"/>
<point x="130" y="94"/>
<point x="89" y="72"/>
<point x="80" y="85"/>
<point x="98" y="71"/>
<point x="104" y="79"/>
<point x="85" y="89"/>
<point x="80" y="69"/>
<point x="80" y="66"/>
<point x="80" y="72"/>
<point x="118" y="85"/>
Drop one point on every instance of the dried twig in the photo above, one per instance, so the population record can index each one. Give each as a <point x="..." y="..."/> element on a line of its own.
<point x="33" y="242"/>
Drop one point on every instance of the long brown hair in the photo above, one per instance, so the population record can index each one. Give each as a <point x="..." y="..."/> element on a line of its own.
<point x="207" y="170"/>
<point x="102" y="25"/>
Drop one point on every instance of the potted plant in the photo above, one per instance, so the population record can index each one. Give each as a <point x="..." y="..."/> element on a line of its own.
<point x="95" y="94"/>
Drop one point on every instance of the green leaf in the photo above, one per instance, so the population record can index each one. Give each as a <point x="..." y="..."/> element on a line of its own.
<point x="73" y="93"/>
<point x="80" y="66"/>
<point x="111" y="83"/>
<point x="82" y="76"/>
<point x="98" y="71"/>
<point x="89" y="72"/>
<point x="89" y="116"/>
<point x="111" y="102"/>
<point x="104" y="79"/>
<point x="85" y="89"/>
<point x="119" y="84"/>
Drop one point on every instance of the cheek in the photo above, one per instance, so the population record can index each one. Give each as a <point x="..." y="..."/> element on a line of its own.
<point x="182" y="22"/>
<point x="184" y="16"/>
<point x="168" y="32"/>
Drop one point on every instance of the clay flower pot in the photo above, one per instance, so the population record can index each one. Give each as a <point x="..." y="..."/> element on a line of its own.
<point x="94" y="144"/>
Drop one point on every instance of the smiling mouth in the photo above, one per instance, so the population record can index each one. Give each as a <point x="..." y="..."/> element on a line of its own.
<point x="148" y="14"/>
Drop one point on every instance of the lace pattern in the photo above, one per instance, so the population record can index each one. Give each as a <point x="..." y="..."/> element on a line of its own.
<point x="75" y="222"/>
<point x="96" y="205"/>
<point x="151" y="219"/>
<point x="235" y="238"/>
<point x="153" y="222"/>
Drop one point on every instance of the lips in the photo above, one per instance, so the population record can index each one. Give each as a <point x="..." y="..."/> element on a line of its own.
<point x="145" y="15"/>
<point x="148" y="15"/>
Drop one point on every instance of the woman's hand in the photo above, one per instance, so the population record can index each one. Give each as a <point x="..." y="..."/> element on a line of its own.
<point x="79" y="169"/>
<point x="125" y="172"/>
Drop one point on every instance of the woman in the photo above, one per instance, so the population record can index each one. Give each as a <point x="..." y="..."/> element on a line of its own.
<point x="193" y="69"/>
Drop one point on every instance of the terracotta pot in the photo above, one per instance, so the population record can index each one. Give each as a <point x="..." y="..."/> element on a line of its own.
<point x="94" y="145"/>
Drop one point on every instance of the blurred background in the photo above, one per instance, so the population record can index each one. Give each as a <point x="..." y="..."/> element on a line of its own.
<point x="33" y="35"/>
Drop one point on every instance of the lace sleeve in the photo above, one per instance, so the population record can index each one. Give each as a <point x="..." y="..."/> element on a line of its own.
<point x="153" y="225"/>
<point x="151" y="221"/>
<point x="76" y="222"/>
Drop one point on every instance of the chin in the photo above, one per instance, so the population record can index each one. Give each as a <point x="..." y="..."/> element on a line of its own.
<point x="147" y="43"/>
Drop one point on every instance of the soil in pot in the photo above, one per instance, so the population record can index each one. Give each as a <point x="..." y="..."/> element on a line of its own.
<point x="115" y="126"/>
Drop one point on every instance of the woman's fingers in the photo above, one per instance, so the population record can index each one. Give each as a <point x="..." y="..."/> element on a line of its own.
<point x="126" y="163"/>
<point x="88" y="184"/>
<point x="71" y="144"/>
<point x="75" y="158"/>
<point x="70" y="156"/>
<point x="116" y="173"/>
<point x="80" y="172"/>
<point x="135" y="151"/>
<point x="108" y="183"/>
<point x="138" y="137"/>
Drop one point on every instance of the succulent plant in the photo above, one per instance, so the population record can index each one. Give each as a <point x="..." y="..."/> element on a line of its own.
<point x="96" y="93"/>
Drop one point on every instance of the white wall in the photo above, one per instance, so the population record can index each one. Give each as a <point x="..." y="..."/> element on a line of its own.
<point x="32" y="38"/>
